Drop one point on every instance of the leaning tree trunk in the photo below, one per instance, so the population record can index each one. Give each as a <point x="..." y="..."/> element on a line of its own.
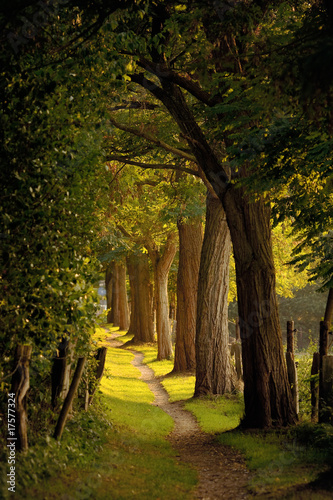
<point x="162" y="264"/>
<point x="267" y="394"/>
<point x="214" y="374"/>
<point x="190" y="243"/>
<point x="141" y="318"/>
<point x="123" y="302"/>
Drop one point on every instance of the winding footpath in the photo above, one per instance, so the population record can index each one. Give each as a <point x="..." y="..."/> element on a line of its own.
<point x="221" y="470"/>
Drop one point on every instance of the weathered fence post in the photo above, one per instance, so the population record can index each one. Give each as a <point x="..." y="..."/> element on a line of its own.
<point x="326" y="414"/>
<point x="314" y="385"/>
<point x="100" y="356"/>
<point x="20" y="386"/>
<point x="236" y="350"/>
<point x="69" y="398"/>
<point x="325" y="376"/>
<point x="291" y="365"/>
<point x="290" y="338"/>
<point x="61" y="373"/>
<point x="237" y="330"/>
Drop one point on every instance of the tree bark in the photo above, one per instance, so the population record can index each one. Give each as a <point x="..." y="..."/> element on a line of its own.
<point x="268" y="399"/>
<point x="214" y="374"/>
<point x="162" y="264"/>
<point x="267" y="394"/>
<point x="190" y="243"/>
<point x="123" y="301"/>
<point x="141" y="318"/>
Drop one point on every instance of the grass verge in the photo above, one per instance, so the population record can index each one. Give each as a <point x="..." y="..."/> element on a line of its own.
<point x="283" y="464"/>
<point x="117" y="450"/>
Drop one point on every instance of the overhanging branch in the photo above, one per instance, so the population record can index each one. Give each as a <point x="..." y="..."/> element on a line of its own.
<point x="152" y="139"/>
<point x="165" y="166"/>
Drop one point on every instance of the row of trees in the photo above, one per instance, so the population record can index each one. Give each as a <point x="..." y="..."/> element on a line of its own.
<point x="220" y="91"/>
<point x="222" y="75"/>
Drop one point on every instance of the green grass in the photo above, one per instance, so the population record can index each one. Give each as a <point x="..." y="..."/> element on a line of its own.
<point x="95" y="460"/>
<point x="279" y="462"/>
<point x="219" y="413"/>
<point x="118" y="449"/>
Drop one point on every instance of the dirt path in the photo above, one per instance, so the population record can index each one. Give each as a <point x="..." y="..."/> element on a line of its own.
<point x="221" y="470"/>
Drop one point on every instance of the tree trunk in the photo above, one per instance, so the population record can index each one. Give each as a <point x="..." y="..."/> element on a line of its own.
<point x="141" y="319"/>
<point x="162" y="264"/>
<point x="268" y="399"/>
<point x="267" y="394"/>
<point x="108" y="287"/>
<point x="123" y="302"/>
<point x="190" y="243"/>
<point x="214" y="374"/>
<point x="19" y="389"/>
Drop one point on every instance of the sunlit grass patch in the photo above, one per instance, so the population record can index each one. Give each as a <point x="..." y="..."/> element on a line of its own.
<point x="115" y="451"/>
<point x="179" y="387"/>
<point x="161" y="368"/>
<point x="218" y="413"/>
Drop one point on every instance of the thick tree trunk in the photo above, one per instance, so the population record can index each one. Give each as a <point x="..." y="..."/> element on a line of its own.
<point x="123" y="301"/>
<point x="268" y="399"/>
<point x="267" y="394"/>
<point x="190" y="243"/>
<point x="141" y="318"/>
<point x="162" y="264"/>
<point x="214" y="374"/>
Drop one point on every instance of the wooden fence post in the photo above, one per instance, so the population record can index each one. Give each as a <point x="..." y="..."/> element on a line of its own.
<point x="100" y="356"/>
<point x="20" y="386"/>
<point x="237" y="330"/>
<point x="236" y="351"/>
<point x="291" y="365"/>
<point x="314" y="384"/>
<point x="69" y="398"/>
<point x="327" y="390"/>
<point x="323" y="350"/>
<point x="290" y="338"/>
<point x="60" y="374"/>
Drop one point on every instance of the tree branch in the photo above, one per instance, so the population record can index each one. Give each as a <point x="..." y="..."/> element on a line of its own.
<point x="135" y="105"/>
<point x="154" y="140"/>
<point x="164" y="166"/>
<point x="162" y="71"/>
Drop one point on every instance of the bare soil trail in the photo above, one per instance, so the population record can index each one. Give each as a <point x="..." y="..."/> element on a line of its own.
<point x="221" y="470"/>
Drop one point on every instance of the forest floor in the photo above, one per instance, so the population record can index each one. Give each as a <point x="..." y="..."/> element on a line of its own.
<point x="221" y="470"/>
